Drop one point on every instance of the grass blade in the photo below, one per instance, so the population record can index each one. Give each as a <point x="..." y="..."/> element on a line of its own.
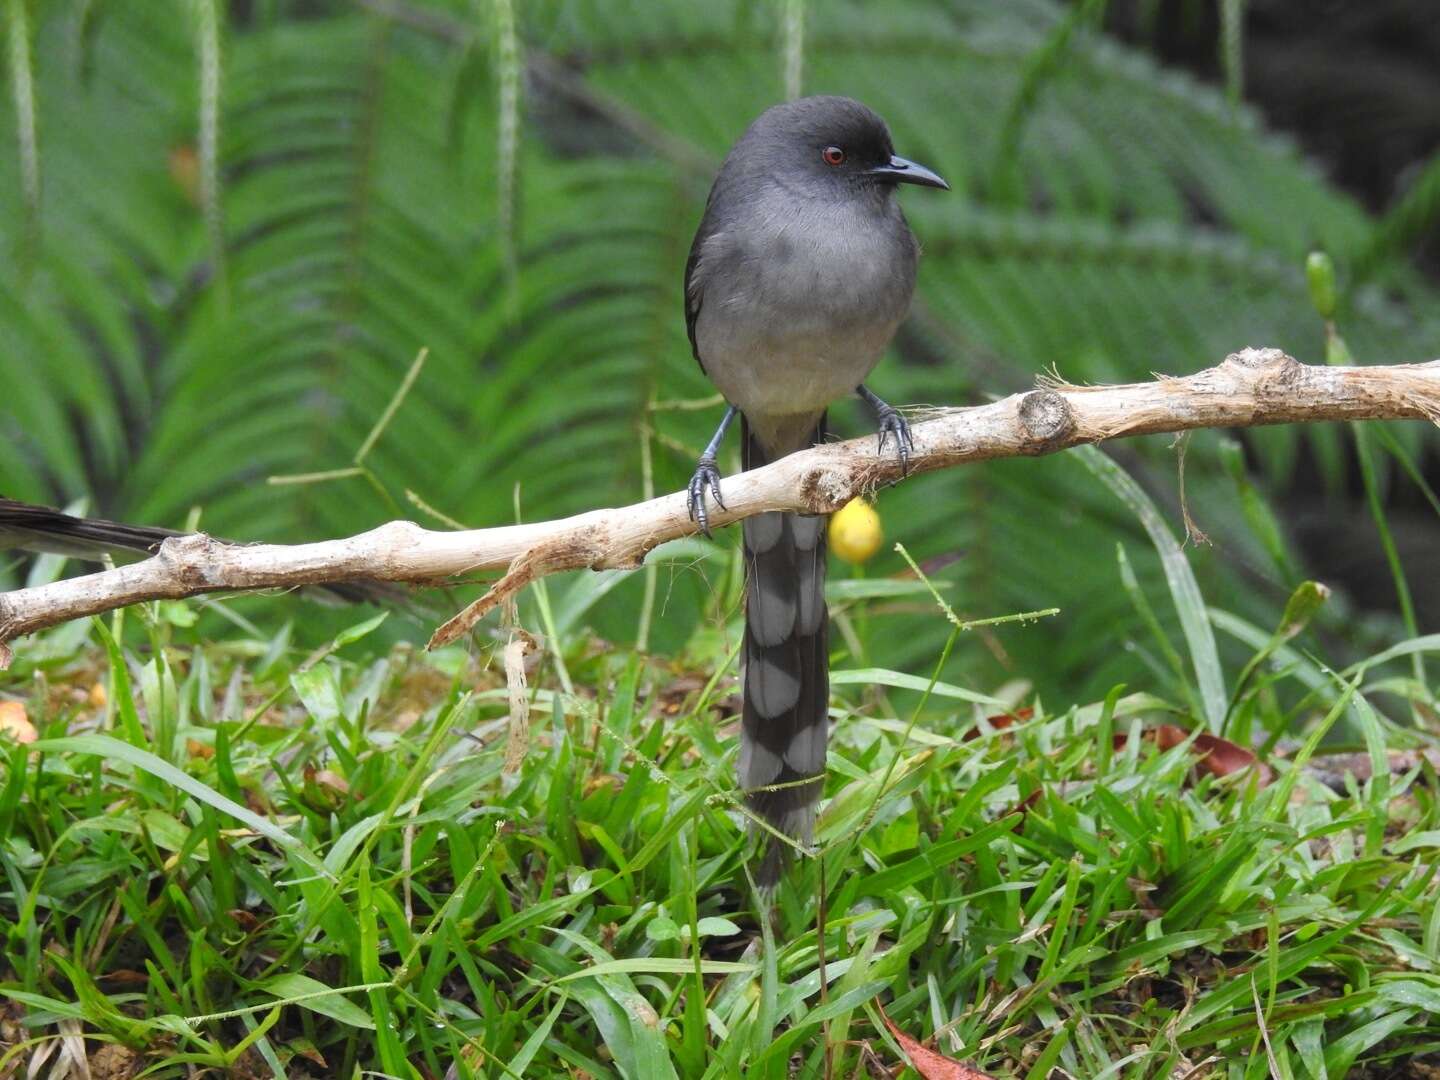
<point x="106" y="747"/>
<point x="1185" y="591"/>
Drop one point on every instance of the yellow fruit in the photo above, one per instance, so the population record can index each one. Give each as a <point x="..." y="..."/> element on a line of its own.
<point x="855" y="532"/>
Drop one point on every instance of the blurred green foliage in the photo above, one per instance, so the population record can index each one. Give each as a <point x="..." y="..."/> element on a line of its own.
<point x="227" y="231"/>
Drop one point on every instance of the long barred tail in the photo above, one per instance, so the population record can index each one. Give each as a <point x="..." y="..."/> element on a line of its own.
<point x="787" y="671"/>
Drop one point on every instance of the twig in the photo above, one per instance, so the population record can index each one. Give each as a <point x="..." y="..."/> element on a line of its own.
<point x="1251" y="387"/>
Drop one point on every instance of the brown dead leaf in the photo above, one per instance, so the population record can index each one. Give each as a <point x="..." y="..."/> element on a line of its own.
<point x="15" y="723"/>
<point x="928" y="1063"/>
<point x="1025" y="805"/>
<point x="332" y="780"/>
<point x="1218" y="757"/>
<point x="323" y="789"/>
<point x="303" y="1047"/>
<point x="125" y="977"/>
<point x="1001" y="721"/>
<point x="111" y="1061"/>
<point x="246" y="920"/>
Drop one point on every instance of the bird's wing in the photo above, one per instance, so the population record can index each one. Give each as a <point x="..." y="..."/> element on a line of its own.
<point x="694" y="286"/>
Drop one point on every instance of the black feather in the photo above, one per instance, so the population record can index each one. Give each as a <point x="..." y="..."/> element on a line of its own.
<point x="787" y="801"/>
<point x="29" y="527"/>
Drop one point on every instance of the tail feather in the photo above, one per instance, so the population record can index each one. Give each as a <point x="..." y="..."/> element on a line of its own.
<point x="43" y="528"/>
<point x="28" y="527"/>
<point x="787" y="680"/>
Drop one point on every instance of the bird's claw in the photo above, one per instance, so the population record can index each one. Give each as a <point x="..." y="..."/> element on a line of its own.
<point x="892" y="423"/>
<point x="707" y="475"/>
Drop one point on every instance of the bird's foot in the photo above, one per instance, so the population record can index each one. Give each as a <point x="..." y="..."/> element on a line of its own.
<point x="707" y="475"/>
<point x="893" y="424"/>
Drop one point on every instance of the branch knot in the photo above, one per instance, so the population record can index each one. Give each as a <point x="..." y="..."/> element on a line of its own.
<point x="1046" y="417"/>
<point x="191" y="556"/>
<point x="826" y="489"/>
<point x="1259" y="359"/>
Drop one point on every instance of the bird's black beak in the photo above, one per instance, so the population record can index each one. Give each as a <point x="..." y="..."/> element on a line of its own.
<point x="900" y="171"/>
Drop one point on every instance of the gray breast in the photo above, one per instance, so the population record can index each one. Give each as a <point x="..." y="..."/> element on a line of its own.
<point x="799" y="306"/>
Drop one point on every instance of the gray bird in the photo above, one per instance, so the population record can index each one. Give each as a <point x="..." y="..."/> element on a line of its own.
<point x="801" y="270"/>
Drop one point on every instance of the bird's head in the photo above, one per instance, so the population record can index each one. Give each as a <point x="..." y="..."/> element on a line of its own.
<point x="838" y="142"/>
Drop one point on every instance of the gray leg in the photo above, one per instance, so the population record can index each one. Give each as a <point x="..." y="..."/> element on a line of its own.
<point x="891" y="423"/>
<point x="708" y="475"/>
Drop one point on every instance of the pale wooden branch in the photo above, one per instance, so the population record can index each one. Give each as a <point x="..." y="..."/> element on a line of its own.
<point x="1251" y="387"/>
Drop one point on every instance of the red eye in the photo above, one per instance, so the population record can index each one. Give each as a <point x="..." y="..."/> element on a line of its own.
<point x="833" y="156"/>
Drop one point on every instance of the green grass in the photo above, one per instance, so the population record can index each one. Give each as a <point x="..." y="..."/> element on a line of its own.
<point x="253" y="859"/>
<point x="240" y="856"/>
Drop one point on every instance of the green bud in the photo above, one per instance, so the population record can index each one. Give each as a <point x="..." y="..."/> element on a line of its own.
<point x="1304" y="602"/>
<point x="1320" y="273"/>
